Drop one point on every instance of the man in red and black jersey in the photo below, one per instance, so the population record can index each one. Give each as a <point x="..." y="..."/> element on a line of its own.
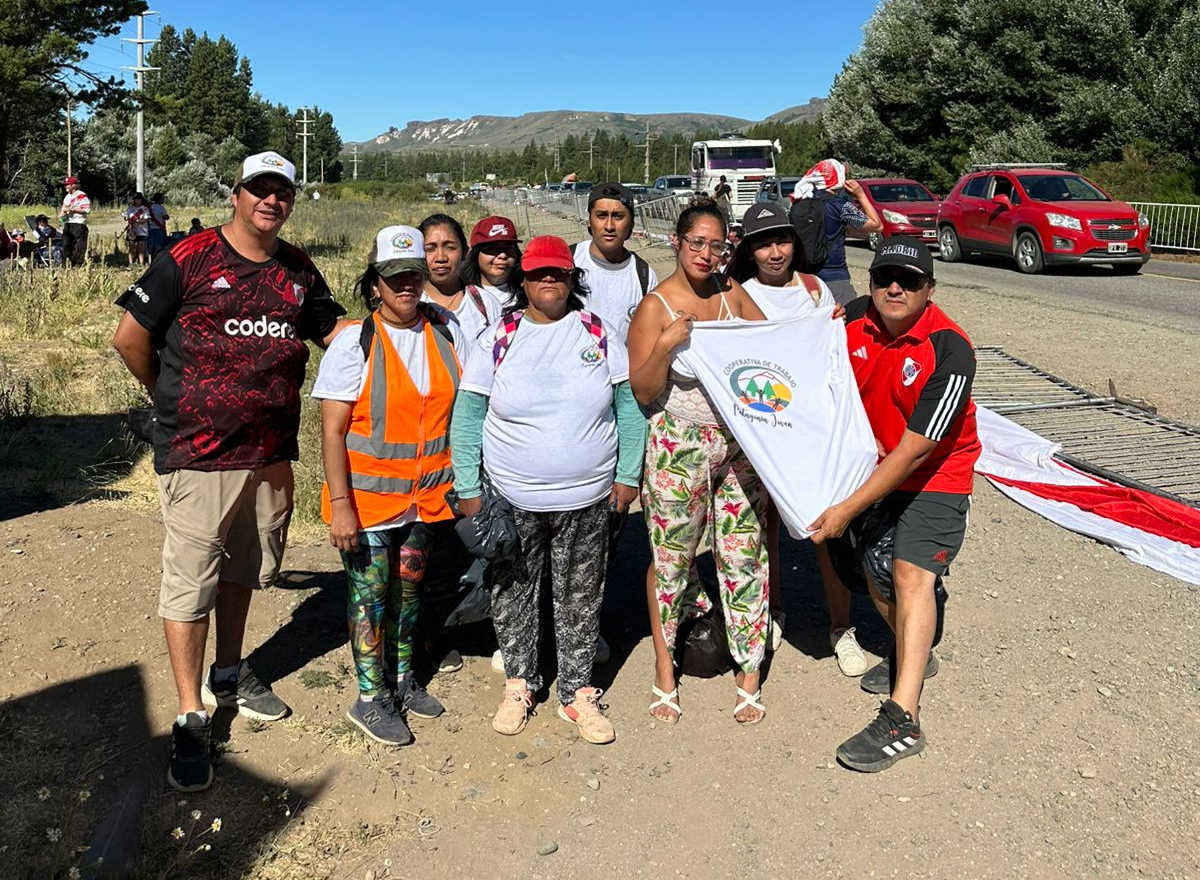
<point x="215" y="330"/>
<point x="914" y="368"/>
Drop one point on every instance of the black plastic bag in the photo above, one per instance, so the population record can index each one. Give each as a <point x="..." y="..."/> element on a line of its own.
<point x="701" y="646"/>
<point x="141" y="422"/>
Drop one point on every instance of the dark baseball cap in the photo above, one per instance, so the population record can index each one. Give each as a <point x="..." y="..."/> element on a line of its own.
<point x="763" y="216"/>
<point x="610" y="191"/>
<point x="906" y="252"/>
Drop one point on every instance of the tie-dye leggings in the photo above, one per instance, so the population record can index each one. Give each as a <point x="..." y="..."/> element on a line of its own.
<point x="383" y="582"/>
<point x="698" y="480"/>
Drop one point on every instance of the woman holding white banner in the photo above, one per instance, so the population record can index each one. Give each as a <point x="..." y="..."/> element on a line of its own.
<point x="770" y="263"/>
<point x="696" y="475"/>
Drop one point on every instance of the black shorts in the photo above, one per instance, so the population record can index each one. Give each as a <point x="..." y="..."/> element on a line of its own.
<point x="930" y="527"/>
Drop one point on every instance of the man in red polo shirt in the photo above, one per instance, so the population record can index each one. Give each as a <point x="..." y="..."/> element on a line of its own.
<point x="914" y="368"/>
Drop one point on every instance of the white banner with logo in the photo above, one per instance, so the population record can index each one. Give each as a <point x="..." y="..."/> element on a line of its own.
<point x="787" y="393"/>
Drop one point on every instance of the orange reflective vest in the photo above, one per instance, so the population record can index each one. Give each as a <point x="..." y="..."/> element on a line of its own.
<point x="398" y="439"/>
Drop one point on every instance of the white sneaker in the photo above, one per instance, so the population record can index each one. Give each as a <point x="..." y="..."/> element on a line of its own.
<point x="850" y="657"/>
<point x="498" y="662"/>
<point x="775" y="631"/>
<point x="602" y="650"/>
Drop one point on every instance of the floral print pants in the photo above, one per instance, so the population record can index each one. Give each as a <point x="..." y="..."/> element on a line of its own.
<point x="698" y="480"/>
<point x="383" y="583"/>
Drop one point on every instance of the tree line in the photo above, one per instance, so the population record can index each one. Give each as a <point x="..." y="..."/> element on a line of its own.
<point x="202" y="113"/>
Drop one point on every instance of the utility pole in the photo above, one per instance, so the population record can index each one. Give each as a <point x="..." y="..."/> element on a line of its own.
<point x="354" y="160"/>
<point x="556" y="156"/>
<point x="591" y="151"/>
<point x="305" y="134"/>
<point x="139" y="71"/>
<point x="675" y="163"/>
<point x="68" y="134"/>
<point x="385" y="158"/>
<point x="650" y="138"/>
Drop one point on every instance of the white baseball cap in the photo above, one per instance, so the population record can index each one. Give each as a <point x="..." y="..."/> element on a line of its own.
<point x="398" y="249"/>
<point x="269" y="162"/>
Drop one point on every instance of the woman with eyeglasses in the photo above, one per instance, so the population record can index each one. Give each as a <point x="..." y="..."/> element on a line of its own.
<point x="545" y="409"/>
<point x="697" y="479"/>
<point x="770" y="262"/>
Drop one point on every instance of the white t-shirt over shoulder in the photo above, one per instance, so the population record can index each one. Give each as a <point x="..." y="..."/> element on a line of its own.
<point x="550" y="435"/>
<point x="613" y="288"/>
<point x="785" y="303"/>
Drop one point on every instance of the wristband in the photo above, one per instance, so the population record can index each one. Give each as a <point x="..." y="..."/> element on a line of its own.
<point x="339" y="498"/>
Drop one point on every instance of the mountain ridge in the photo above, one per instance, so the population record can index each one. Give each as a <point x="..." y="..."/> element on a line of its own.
<point x="489" y="132"/>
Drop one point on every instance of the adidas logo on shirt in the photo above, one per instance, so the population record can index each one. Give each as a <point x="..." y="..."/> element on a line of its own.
<point x="860" y="352"/>
<point x="220" y="284"/>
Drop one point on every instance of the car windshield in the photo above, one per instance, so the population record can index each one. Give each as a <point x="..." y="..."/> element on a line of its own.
<point x="739" y="157"/>
<point x="1061" y="188"/>
<point x="673" y="182"/>
<point x="787" y="186"/>
<point x="899" y="192"/>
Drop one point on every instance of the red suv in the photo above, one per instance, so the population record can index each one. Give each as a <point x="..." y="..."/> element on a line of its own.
<point x="1041" y="216"/>
<point x="905" y="207"/>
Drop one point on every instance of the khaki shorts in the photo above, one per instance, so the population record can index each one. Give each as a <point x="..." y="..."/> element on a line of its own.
<point x="221" y="526"/>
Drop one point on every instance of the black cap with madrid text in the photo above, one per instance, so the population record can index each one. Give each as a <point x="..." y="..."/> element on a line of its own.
<point x="906" y="252"/>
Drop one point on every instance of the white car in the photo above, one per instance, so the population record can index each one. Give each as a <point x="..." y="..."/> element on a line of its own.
<point x="678" y="185"/>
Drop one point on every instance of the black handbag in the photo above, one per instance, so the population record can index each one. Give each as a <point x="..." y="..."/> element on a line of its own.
<point x="701" y="646"/>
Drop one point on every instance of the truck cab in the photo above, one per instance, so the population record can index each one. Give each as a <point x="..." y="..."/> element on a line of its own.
<point x="744" y="162"/>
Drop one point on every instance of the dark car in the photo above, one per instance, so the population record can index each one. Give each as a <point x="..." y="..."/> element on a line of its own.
<point x="905" y="207"/>
<point x="1041" y="216"/>
<point x="778" y="190"/>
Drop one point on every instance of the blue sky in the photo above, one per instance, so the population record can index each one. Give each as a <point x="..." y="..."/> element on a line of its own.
<point x="375" y="64"/>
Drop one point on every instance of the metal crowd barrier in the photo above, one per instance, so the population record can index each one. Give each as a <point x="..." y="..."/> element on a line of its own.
<point x="655" y="220"/>
<point x="1172" y="227"/>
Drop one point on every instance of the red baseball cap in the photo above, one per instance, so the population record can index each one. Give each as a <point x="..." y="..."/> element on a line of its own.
<point x="493" y="228"/>
<point x="68" y="181"/>
<point x="547" y="250"/>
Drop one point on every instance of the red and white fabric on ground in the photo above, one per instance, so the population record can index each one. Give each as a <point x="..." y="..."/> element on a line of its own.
<point x="1153" y="531"/>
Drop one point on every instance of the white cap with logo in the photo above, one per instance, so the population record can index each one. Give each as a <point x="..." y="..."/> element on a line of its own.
<point x="398" y="249"/>
<point x="269" y="162"/>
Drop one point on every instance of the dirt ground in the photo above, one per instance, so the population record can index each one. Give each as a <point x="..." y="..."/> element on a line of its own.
<point x="1062" y="727"/>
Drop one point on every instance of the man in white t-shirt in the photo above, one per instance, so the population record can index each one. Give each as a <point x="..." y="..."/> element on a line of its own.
<point x="616" y="278"/>
<point x="74" y="215"/>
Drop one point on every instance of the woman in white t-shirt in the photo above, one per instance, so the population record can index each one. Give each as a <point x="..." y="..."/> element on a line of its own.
<point x="545" y="398"/>
<point x="387" y="388"/>
<point x="475" y="308"/>
<point x="493" y="264"/>
<point x="137" y="226"/>
<point x="770" y="264"/>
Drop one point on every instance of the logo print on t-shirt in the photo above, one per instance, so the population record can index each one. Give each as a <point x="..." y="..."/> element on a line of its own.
<point x="860" y="352"/>
<point x="591" y="355"/>
<point x="298" y="290"/>
<point x="760" y="388"/>
<point x="220" y="283"/>
<point x="910" y="371"/>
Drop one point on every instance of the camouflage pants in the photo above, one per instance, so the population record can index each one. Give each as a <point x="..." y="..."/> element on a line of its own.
<point x="571" y="548"/>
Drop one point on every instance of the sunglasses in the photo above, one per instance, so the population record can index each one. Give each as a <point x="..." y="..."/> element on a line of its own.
<point x="716" y="248"/>
<point x="906" y="278"/>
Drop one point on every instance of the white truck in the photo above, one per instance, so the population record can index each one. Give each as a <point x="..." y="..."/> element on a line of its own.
<point x="745" y="162"/>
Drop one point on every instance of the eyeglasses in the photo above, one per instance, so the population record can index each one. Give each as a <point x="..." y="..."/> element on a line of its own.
<point x="716" y="248"/>
<point x="906" y="278"/>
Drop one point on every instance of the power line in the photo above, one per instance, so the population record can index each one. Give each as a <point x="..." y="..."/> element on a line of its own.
<point x="305" y="134"/>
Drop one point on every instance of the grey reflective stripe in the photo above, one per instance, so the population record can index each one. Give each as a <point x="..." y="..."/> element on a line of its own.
<point x="381" y="449"/>
<point x="433" y="479"/>
<point x="446" y="350"/>
<point x="394" y="485"/>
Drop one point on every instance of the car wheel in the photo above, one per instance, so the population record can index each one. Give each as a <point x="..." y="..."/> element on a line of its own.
<point x="948" y="245"/>
<point x="1127" y="268"/>
<point x="1029" y="254"/>
<point x="874" y="240"/>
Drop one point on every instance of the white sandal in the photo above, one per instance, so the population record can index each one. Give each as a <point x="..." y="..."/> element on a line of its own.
<point x="664" y="699"/>
<point x="749" y="701"/>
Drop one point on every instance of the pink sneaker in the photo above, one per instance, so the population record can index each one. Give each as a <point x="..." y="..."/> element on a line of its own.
<point x="513" y="711"/>
<point x="585" y="714"/>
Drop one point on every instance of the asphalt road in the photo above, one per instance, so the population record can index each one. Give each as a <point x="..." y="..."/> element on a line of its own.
<point x="1165" y="294"/>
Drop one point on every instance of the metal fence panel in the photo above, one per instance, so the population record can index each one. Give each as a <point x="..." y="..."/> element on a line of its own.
<point x="655" y="220"/>
<point x="1172" y="227"/>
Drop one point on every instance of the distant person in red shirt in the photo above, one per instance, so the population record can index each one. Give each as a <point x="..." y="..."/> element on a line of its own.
<point x="914" y="368"/>
<point x="215" y="331"/>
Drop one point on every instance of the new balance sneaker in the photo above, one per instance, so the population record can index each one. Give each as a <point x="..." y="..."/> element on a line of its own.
<point x="379" y="720"/>
<point x="246" y="693"/>
<point x="891" y="736"/>
<point x="513" y="712"/>
<point x="584" y="713"/>
<point x="850" y="657"/>
<point x="415" y="700"/>
<point x="191" y="761"/>
<point x="880" y="678"/>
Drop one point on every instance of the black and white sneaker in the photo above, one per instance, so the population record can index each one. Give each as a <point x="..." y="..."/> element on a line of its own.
<point x="880" y="679"/>
<point x="246" y="693"/>
<point x="379" y="720"/>
<point x="891" y="736"/>
<point x="191" y="761"/>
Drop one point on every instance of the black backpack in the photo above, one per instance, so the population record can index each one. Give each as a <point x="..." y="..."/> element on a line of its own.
<point x="366" y="335"/>
<point x="808" y="219"/>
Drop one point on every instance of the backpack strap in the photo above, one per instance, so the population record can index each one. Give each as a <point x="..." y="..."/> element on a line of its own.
<point x="643" y="273"/>
<point x="812" y="285"/>
<point x="366" y="336"/>
<point x="507" y="329"/>
<point x="595" y="327"/>
<point x="477" y="298"/>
